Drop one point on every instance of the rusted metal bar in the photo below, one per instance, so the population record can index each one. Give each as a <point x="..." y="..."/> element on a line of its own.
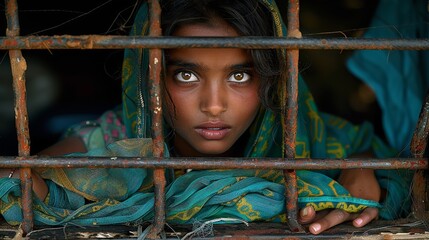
<point x="19" y="66"/>
<point x="120" y="42"/>
<point x="214" y="163"/>
<point x="418" y="148"/>
<point x="421" y="133"/>
<point x="290" y="120"/>
<point x="404" y="229"/>
<point x="155" y="64"/>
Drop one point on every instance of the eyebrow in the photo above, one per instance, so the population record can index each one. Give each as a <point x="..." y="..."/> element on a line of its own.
<point x="242" y="66"/>
<point x="190" y="65"/>
<point x="182" y="64"/>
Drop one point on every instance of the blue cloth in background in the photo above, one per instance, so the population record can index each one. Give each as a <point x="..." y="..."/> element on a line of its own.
<point x="399" y="78"/>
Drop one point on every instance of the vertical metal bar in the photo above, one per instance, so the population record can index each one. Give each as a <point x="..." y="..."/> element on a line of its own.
<point x="290" y="123"/>
<point x="19" y="66"/>
<point x="155" y="56"/>
<point x="418" y="148"/>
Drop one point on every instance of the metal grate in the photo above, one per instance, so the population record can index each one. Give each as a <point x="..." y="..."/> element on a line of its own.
<point x="14" y="43"/>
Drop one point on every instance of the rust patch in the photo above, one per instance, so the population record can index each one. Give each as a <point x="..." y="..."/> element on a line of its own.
<point x="18" y="67"/>
<point x="155" y="56"/>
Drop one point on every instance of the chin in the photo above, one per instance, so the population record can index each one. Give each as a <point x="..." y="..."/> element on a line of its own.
<point x="213" y="150"/>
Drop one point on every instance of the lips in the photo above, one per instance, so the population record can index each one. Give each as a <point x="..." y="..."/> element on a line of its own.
<point x="213" y="130"/>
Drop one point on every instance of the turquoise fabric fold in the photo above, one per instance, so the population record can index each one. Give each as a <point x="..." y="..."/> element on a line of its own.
<point x="198" y="195"/>
<point x="400" y="79"/>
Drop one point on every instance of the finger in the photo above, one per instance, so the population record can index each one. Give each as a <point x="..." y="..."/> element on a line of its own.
<point x="307" y="214"/>
<point x="367" y="215"/>
<point x="333" y="218"/>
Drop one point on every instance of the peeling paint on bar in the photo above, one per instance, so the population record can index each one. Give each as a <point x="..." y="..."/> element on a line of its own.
<point x="214" y="163"/>
<point x="157" y="136"/>
<point x="120" y="42"/>
<point x="418" y="147"/>
<point x="19" y="66"/>
<point x="290" y="111"/>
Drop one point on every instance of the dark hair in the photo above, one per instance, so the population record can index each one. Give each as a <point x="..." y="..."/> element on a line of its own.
<point x="247" y="17"/>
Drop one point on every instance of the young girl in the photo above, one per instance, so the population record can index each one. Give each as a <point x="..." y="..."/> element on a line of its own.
<point x="217" y="102"/>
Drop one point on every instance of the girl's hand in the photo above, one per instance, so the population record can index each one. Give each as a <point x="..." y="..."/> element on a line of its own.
<point x="361" y="183"/>
<point x="326" y="219"/>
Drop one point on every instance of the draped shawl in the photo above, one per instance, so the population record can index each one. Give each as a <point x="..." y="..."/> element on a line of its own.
<point x="89" y="196"/>
<point x="399" y="78"/>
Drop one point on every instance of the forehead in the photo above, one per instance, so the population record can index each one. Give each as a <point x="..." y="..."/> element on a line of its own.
<point x="216" y="28"/>
<point x="214" y="58"/>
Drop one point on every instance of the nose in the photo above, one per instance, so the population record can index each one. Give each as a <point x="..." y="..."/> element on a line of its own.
<point x="213" y="99"/>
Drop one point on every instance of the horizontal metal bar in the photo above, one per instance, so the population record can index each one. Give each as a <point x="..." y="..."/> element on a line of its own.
<point x="212" y="163"/>
<point x="118" y="42"/>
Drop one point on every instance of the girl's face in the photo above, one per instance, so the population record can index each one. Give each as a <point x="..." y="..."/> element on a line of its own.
<point x="214" y="92"/>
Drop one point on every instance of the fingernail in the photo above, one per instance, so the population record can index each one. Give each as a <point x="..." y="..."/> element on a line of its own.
<point x="316" y="227"/>
<point x="305" y="212"/>
<point x="358" y="221"/>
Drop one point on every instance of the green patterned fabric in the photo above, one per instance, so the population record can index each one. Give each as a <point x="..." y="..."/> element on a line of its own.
<point x="110" y="196"/>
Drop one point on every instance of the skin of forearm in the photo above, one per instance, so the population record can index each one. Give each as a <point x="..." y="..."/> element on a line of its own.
<point x="39" y="186"/>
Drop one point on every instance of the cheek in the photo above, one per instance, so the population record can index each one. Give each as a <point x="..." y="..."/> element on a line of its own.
<point x="169" y="103"/>
<point x="247" y="103"/>
<point x="252" y="96"/>
<point x="177" y="102"/>
<point x="253" y="104"/>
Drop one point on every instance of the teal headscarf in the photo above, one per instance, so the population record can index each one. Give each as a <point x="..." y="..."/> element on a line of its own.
<point x="126" y="195"/>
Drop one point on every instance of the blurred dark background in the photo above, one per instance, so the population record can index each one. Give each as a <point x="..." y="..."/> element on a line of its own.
<point x="68" y="86"/>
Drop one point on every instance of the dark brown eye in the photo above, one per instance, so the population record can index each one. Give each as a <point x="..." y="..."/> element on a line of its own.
<point x="239" y="77"/>
<point x="184" y="76"/>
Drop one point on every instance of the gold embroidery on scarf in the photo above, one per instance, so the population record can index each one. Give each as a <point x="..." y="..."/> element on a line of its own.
<point x="351" y="208"/>
<point x="63" y="180"/>
<point x="6" y="206"/>
<point x="317" y="122"/>
<point x="332" y="186"/>
<point x="321" y="205"/>
<point x="97" y="208"/>
<point x="231" y="202"/>
<point x="185" y="215"/>
<point x="283" y="217"/>
<point x="246" y="209"/>
<point x="301" y="150"/>
<point x="337" y="122"/>
<point x="270" y="175"/>
<point x="309" y="190"/>
<point x="268" y="193"/>
<point x="334" y="148"/>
